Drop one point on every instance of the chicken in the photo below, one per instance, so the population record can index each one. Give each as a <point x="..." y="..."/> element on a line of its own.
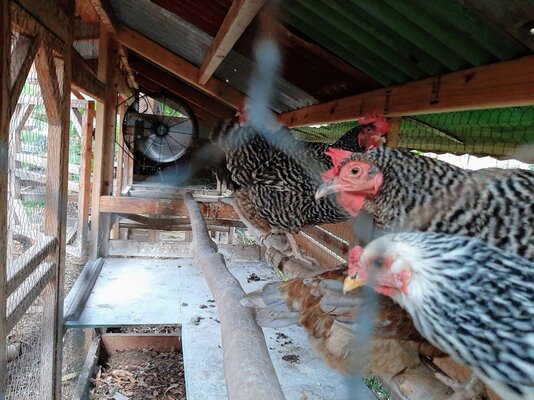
<point x="473" y="300"/>
<point x="406" y="191"/>
<point x="337" y="332"/>
<point x="274" y="176"/>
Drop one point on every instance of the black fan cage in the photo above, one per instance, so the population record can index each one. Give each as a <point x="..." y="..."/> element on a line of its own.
<point x="159" y="127"/>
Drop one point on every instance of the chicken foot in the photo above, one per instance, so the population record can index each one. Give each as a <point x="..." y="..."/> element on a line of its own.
<point x="472" y="390"/>
<point x="296" y="252"/>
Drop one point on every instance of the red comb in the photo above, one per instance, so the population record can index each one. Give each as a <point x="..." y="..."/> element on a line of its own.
<point x="336" y="155"/>
<point x="380" y="123"/>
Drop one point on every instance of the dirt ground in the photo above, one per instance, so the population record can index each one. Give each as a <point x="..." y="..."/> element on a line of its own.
<point x="140" y="375"/>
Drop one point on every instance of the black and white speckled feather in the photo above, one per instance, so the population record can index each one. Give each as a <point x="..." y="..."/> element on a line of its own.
<point x="280" y="174"/>
<point x="420" y="193"/>
<point x="473" y="300"/>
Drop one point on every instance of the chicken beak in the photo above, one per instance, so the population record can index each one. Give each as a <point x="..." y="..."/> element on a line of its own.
<point x="327" y="188"/>
<point x="352" y="282"/>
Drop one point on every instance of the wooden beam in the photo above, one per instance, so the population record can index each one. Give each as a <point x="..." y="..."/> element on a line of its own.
<point x="174" y="207"/>
<point x="85" y="175"/>
<point x="178" y="66"/>
<point x="392" y="137"/>
<point x="48" y="82"/>
<point x="22" y="58"/>
<point x="108" y="71"/>
<point x="105" y="14"/>
<point x="239" y="16"/>
<point x="173" y="223"/>
<point x="50" y="15"/>
<point x="237" y="344"/>
<point x="117" y="191"/>
<point x="504" y="84"/>
<point x="5" y="116"/>
<point x="85" y="30"/>
<point x="180" y="88"/>
<point x="84" y="79"/>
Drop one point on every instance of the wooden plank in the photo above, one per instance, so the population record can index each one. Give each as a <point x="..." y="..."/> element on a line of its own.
<point x="22" y="58"/>
<point x="50" y="15"/>
<point x="170" y="224"/>
<point x="174" y="207"/>
<point x="108" y="71"/>
<point x="40" y="278"/>
<point x="326" y="239"/>
<point x="81" y="391"/>
<point x="174" y="249"/>
<point x="42" y="162"/>
<point x="5" y="116"/>
<point x="55" y="75"/>
<point x="28" y="262"/>
<point x="240" y="333"/>
<point x="48" y="82"/>
<point x="504" y="84"/>
<point x="343" y="230"/>
<point x="117" y="191"/>
<point x="105" y="14"/>
<point x="317" y="251"/>
<point x="114" y="342"/>
<point x="178" y="66"/>
<point x="180" y="88"/>
<point x="83" y="30"/>
<point x="38" y="101"/>
<point x="41" y="178"/>
<point x="239" y="16"/>
<point x="78" y="295"/>
<point x="84" y="79"/>
<point x="392" y="138"/>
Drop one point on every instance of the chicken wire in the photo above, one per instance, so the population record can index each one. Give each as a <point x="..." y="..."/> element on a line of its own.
<point x="31" y="305"/>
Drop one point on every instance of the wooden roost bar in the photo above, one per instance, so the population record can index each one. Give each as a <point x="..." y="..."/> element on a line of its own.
<point x="75" y="181"/>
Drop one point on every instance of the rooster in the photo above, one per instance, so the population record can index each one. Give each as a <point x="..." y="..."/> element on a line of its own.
<point x="274" y="176"/>
<point x="336" y="331"/>
<point x="472" y="300"/>
<point x="398" y="187"/>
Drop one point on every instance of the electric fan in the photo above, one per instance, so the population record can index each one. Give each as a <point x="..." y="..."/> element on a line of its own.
<point x="159" y="128"/>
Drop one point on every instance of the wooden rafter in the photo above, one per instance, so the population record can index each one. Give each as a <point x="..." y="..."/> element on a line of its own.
<point x="105" y="14"/>
<point x="84" y="79"/>
<point x="22" y="57"/>
<point x="240" y="15"/>
<point x="85" y="30"/>
<point x="504" y="84"/>
<point x="175" y="85"/>
<point x="49" y="14"/>
<point x="178" y="66"/>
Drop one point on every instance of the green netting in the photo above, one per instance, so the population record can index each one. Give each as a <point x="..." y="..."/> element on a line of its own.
<point x="501" y="133"/>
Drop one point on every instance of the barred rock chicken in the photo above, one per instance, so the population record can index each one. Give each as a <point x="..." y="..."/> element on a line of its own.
<point x="274" y="176"/>
<point x="398" y="188"/>
<point x="336" y="332"/>
<point x="470" y="299"/>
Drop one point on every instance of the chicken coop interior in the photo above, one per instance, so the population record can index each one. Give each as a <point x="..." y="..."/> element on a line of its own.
<point x="124" y="254"/>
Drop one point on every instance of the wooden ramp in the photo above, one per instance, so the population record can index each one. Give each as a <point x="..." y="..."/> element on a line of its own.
<point x="166" y="292"/>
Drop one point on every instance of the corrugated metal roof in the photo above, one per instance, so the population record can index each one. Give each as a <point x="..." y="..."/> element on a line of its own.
<point x="395" y="41"/>
<point x="191" y="43"/>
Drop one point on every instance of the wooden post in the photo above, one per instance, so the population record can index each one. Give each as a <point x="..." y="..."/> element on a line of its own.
<point x="108" y="72"/>
<point x="392" y="138"/>
<point x="117" y="191"/>
<point x="246" y="358"/>
<point x="84" y="193"/>
<point x="5" y="62"/>
<point x="55" y="82"/>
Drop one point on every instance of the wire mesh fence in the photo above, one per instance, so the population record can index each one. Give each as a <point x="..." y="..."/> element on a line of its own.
<point x="502" y="133"/>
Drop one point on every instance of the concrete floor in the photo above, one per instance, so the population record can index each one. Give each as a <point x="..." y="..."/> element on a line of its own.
<point x="168" y="292"/>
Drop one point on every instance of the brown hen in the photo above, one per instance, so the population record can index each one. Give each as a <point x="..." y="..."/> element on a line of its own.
<point x="359" y="333"/>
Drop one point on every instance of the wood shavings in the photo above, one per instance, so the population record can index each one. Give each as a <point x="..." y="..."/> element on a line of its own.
<point x="140" y="375"/>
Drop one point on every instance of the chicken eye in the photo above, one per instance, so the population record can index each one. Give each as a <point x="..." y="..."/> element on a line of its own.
<point x="355" y="171"/>
<point x="378" y="263"/>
